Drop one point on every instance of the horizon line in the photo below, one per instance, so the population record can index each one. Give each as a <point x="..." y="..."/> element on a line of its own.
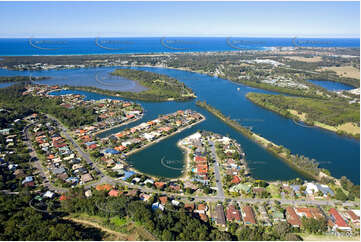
<point x="179" y="36"/>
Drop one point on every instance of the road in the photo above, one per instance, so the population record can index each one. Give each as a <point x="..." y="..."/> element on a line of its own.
<point x="37" y="163"/>
<point x="83" y="154"/>
<point x="220" y="192"/>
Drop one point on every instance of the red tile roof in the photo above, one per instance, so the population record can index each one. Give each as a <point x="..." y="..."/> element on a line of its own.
<point x="189" y="206"/>
<point x="352" y="215"/>
<point x="249" y="216"/>
<point x="292" y="217"/>
<point x="203" y="217"/>
<point x="200" y="159"/>
<point x="159" y="184"/>
<point x="114" y="193"/>
<point x="236" y="180"/>
<point x="163" y="200"/>
<point x="339" y="221"/>
<point x="201" y="207"/>
<point x="233" y="213"/>
<point x="104" y="187"/>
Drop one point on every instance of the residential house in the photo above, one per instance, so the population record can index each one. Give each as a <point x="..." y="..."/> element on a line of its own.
<point x="248" y="215"/>
<point x="338" y="221"/>
<point x="220" y="217"/>
<point x="163" y="200"/>
<point x="292" y="218"/>
<point x="352" y="217"/>
<point x="233" y="214"/>
<point x="86" y="178"/>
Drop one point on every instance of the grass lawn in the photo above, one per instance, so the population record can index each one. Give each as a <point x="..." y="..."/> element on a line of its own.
<point x="274" y="191"/>
<point x="344" y="71"/>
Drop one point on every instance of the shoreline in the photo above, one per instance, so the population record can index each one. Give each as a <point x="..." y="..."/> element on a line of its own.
<point x="165" y="137"/>
<point x="186" y="159"/>
<point x="315" y="124"/>
<point x="132" y="168"/>
<point x="118" y="125"/>
<point x="265" y="144"/>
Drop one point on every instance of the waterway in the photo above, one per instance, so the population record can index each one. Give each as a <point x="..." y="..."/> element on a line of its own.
<point x="340" y="155"/>
<point x="332" y="86"/>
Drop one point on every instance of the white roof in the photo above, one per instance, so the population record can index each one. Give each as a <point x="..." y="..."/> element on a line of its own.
<point x="88" y="193"/>
<point x="175" y="203"/>
<point x="148" y="181"/>
<point x="196" y="135"/>
<point x="48" y="194"/>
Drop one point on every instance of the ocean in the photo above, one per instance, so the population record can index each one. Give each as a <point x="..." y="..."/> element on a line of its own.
<point x="85" y="46"/>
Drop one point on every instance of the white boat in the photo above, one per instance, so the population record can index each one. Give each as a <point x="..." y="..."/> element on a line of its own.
<point x="238" y="89"/>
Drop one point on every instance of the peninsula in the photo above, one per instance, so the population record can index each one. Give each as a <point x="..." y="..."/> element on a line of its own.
<point x="334" y="115"/>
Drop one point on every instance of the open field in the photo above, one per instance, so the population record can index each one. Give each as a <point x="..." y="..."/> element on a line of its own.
<point x="343" y="71"/>
<point x="304" y="59"/>
<point x="130" y="231"/>
<point x="313" y="237"/>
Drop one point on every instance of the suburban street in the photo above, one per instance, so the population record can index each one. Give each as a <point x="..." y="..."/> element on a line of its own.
<point x="220" y="192"/>
<point x="220" y="197"/>
<point x="37" y="163"/>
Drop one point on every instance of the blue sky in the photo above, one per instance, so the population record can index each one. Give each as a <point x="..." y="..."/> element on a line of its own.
<point x="256" y="19"/>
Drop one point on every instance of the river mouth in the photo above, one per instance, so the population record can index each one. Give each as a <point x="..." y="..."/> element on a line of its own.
<point x="338" y="154"/>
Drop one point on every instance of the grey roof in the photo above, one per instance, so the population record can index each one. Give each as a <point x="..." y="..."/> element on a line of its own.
<point x="59" y="170"/>
<point x="221" y="219"/>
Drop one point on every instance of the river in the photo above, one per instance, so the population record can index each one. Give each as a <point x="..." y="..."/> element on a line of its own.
<point x="340" y="155"/>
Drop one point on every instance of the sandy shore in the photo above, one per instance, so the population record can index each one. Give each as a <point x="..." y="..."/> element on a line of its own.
<point x="187" y="160"/>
